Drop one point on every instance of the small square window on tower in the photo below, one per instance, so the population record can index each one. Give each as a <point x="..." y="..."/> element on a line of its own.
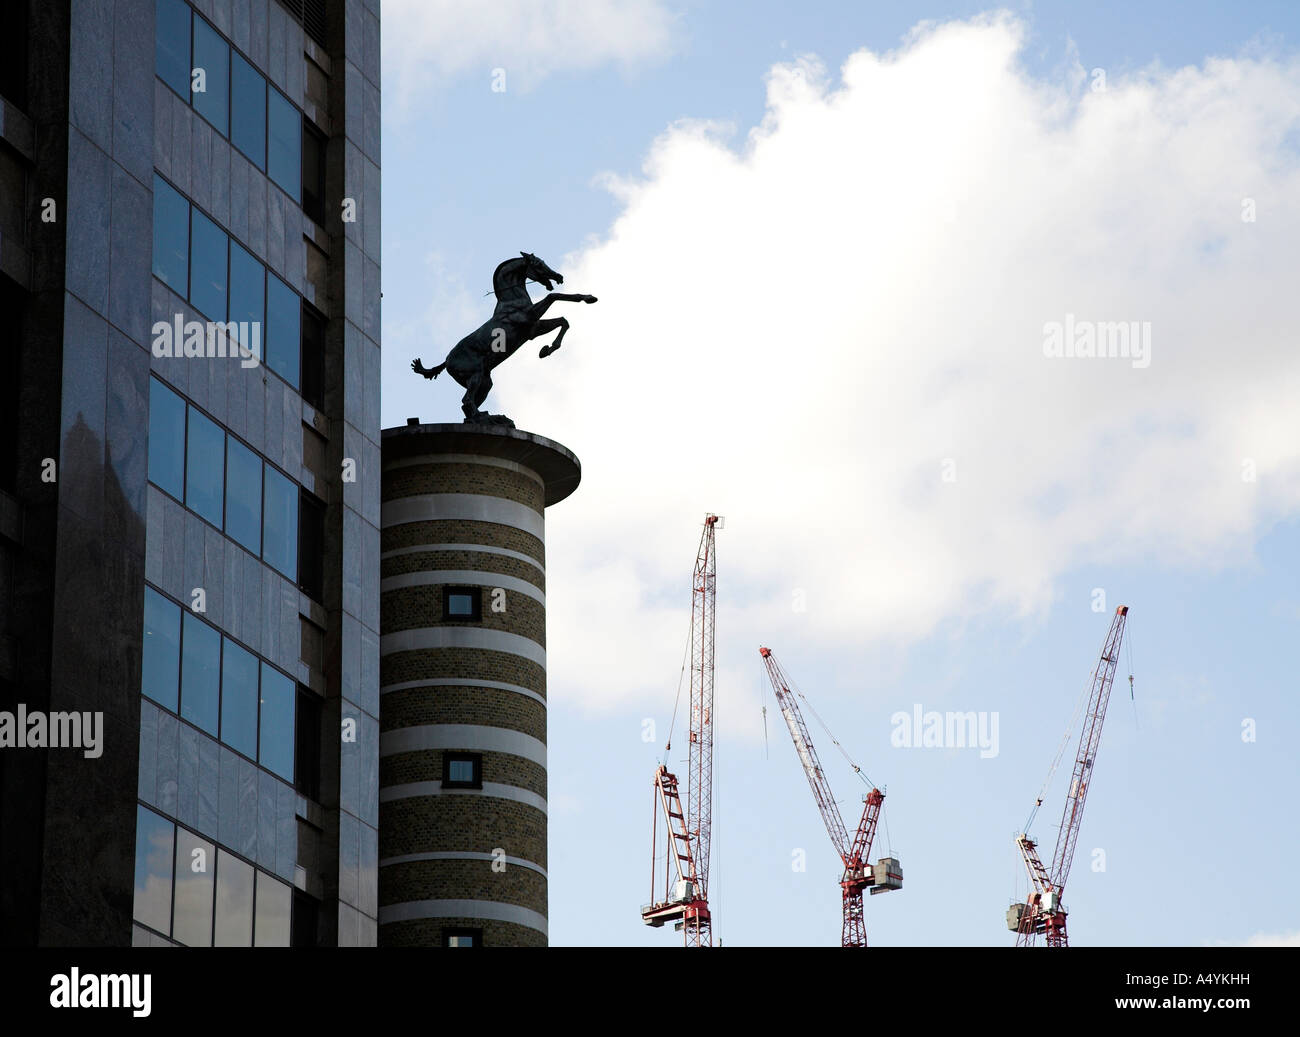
<point x="462" y="603"/>
<point x="462" y="937"/>
<point x="462" y="770"/>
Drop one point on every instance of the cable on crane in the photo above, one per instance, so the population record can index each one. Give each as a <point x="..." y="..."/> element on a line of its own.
<point x="856" y="769"/>
<point x="1060" y="749"/>
<point x="1128" y="646"/>
<point x="672" y="723"/>
<point x="889" y="842"/>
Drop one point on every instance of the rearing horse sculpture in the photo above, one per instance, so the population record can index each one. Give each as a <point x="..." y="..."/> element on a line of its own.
<point x="516" y="320"/>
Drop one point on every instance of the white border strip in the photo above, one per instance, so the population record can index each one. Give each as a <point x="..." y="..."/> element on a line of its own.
<point x="491" y="789"/>
<point x="498" y="462"/>
<point x="472" y="507"/>
<point x="461" y="855"/>
<point x="459" y="682"/>
<point x="420" y="638"/>
<point x="492" y="910"/>
<point x="474" y="577"/>
<point x="484" y="548"/>
<point x="462" y="736"/>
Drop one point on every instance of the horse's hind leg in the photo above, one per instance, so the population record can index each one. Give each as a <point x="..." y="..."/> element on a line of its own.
<point x="476" y="390"/>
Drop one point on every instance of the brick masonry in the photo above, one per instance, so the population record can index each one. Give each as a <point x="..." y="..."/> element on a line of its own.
<point x="427" y="932"/>
<point x="465" y="821"/>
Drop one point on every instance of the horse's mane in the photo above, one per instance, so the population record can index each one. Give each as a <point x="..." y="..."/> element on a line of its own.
<point x="504" y="263"/>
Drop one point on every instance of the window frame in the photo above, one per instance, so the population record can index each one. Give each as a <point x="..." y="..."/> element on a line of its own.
<point x="476" y="600"/>
<point x="475" y="760"/>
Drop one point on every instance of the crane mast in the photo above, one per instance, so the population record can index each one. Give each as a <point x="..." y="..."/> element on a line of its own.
<point x="1044" y="912"/>
<point x="858" y="875"/>
<point x="685" y="900"/>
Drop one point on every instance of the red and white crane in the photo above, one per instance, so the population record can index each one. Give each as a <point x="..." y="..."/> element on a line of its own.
<point x="1043" y="911"/>
<point x="684" y="897"/>
<point x="858" y="875"/>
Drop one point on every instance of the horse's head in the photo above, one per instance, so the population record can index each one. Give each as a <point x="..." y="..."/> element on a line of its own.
<point x="538" y="271"/>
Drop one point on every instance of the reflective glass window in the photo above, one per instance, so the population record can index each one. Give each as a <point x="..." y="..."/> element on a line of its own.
<point x="166" y="439"/>
<point x="153" y="870"/>
<point x="205" y="462"/>
<point x="280" y="523"/>
<point x="200" y="673"/>
<point x="172" y="44"/>
<point x="207" y="266"/>
<point x="243" y="495"/>
<point x="284" y="143"/>
<point x="234" y="911"/>
<point x="161" y="649"/>
<point x="275" y="748"/>
<point x="274" y="905"/>
<point x="247" y="295"/>
<point x="248" y="110"/>
<point x="283" y="324"/>
<point x="195" y="863"/>
<point x="212" y="55"/>
<point x="239" y="699"/>
<point x="171" y="236"/>
<point x="460" y="604"/>
<point x="460" y="770"/>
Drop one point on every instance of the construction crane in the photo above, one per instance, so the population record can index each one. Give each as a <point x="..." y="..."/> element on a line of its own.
<point x="858" y="875"/>
<point x="1043" y="911"/>
<point x="685" y="892"/>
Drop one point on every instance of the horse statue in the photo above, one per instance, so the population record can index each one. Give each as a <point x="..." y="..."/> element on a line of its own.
<point x="516" y="320"/>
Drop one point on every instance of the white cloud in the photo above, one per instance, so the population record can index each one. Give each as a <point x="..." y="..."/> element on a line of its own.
<point x="436" y="40"/>
<point x="1291" y="939"/>
<point x="798" y="334"/>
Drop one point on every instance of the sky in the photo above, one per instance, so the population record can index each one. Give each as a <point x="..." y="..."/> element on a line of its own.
<point x="838" y="250"/>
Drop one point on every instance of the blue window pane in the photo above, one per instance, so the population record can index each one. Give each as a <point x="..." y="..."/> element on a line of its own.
<point x="248" y="110"/>
<point x="459" y="604"/>
<point x="154" y="837"/>
<point x="200" y="673"/>
<point x="247" y="295"/>
<point x="196" y="860"/>
<point x="161" y="650"/>
<point x="284" y="144"/>
<point x="171" y="236"/>
<point x="172" y="44"/>
<point x="212" y="55"/>
<point x="205" y="457"/>
<point x="275" y="751"/>
<point x="283" y="329"/>
<point x="460" y="770"/>
<point x="166" y="439"/>
<point x="239" y="699"/>
<point x="243" y="495"/>
<point x="207" y="267"/>
<point x="280" y="524"/>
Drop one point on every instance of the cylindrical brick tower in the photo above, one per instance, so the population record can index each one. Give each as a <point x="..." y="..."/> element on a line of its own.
<point x="462" y="674"/>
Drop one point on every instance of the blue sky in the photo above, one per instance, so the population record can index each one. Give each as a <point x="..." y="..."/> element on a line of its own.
<point x="823" y="450"/>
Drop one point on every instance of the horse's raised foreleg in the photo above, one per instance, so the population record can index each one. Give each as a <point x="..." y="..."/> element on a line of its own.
<point x="543" y="327"/>
<point x="538" y="309"/>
